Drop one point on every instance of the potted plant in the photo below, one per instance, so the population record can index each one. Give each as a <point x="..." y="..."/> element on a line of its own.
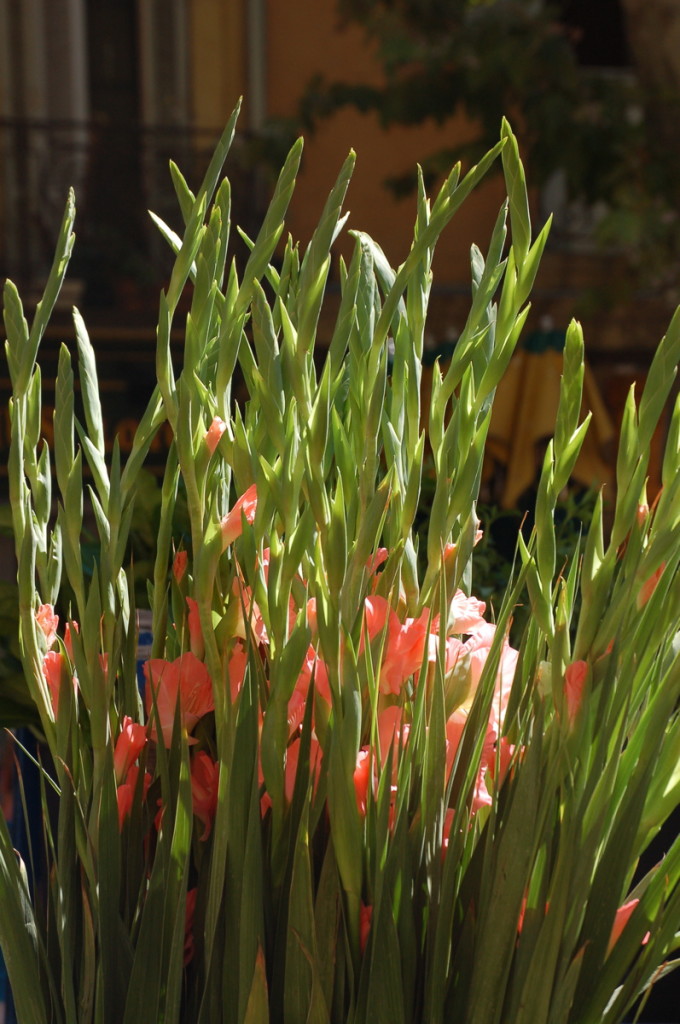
<point x="340" y="794"/>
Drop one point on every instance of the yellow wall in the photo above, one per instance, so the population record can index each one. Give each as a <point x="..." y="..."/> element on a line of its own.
<point x="303" y="38"/>
<point x="218" y="62"/>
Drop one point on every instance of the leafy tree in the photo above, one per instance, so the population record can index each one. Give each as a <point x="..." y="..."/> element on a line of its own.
<point x="610" y="135"/>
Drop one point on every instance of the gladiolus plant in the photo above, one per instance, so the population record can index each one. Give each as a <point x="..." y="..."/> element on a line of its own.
<point x="341" y="794"/>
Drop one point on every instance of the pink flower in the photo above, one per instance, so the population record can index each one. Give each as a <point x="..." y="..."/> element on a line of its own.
<point x="291" y="766"/>
<point x="450" y="553"/>
<point x="195" y="633"/>
<point x="575" y="676"/>
<point x="232" y="523"/>
<point x="377" y="615"/>
<point x="292" y="757"/>
<point x="126" y="791"/>
<point x="391" y="733"/>
<point x="376" y="560"/>
<point x="247" y="613"/>
<point x="179" y="565"/>
<point x="312" y="665"/>
<point x="215" y="431"/>
<point x="454" y="732"/>
<point x="48" y="623"/>
<point x="404" y="645"/>
<point x="129" y="745"/>
<point x="464" y="666"/>
<point x="54" y="665"/>
<point x="466" y="614"/>
<point x="405" y="653"/>
<point x="620" y="922"/>
<point x="478" y="647"/>
<point x="649" y="586"/>
<point x="124" y="795"/>
<point x="361" y="779"/>
<point x="68" y="640"/>
<point x="365" y="917"/>
<point x="205" y="774"/>
<point x="642" y="514"/>
<point x="480" y="795"/>
<point x="185" y="680"/>
<point x="237" y="669"/>
<point x="312" y="621"/>
<point x="505" y="756"/>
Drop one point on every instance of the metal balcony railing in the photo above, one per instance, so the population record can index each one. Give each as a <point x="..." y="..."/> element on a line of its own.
<point x="119" y="171"/>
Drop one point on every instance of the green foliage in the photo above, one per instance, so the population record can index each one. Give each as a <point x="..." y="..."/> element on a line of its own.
<point x="608" y="137"/>
<point x="345" y="796"/>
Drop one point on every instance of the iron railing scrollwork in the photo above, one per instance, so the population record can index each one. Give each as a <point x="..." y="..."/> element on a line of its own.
<point x="119" y="171"/>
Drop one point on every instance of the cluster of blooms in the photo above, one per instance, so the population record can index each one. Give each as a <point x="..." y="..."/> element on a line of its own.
<point x="405" y="651"/>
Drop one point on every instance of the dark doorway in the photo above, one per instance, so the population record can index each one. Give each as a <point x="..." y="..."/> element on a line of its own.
<point x="113" y="248"/>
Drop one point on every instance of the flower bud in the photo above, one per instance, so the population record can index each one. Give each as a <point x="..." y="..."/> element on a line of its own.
<point x="232" y="523"/>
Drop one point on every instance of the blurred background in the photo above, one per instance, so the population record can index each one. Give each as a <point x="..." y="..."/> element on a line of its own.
<point x="100" y="94"/>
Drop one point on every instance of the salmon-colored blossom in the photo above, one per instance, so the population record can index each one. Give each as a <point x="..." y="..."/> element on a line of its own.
<point x="290" y="769"/>
<point x="620" y="921"/>
<point x="404" y="646"/>
<point x="237" y="669"/>
<point x="47" y="622"/>
<point x="185" y="680"/>
<point x="454" y="733"/>
<point x="312" y="666"/>
<point x="312" y="621"/>
<point x="450" y="553"/>
<point x="506" y="752"/>
<point x="575" y="676"/>
<point x="405" y="653"/>
<point x="361" y="779"/>
<point x="247" y="613"/>
<point x="392" y="733"/>
<point x="196" y="643"/>
<point x="232" y="523"/>
<point x="376" y="560"/>
<point x="54" y="665"/>
<point x="214" y="433"/>
<point x="179" y="565"/>
<point x="68" y="640"/>
<point x="126" y="791"/>
<point x="466" y="614"/>
<point x="365" y="917"/>
<point x="124" y="795"/>
<point x="480" y="794"/>
<point x="291" y="766"/>
<point x="649" y="586"/>
<point x="205" y="775"/>
<point x="129" y="745"/>
<point x="465" y="663"/>
<point x="642" y="514"/>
